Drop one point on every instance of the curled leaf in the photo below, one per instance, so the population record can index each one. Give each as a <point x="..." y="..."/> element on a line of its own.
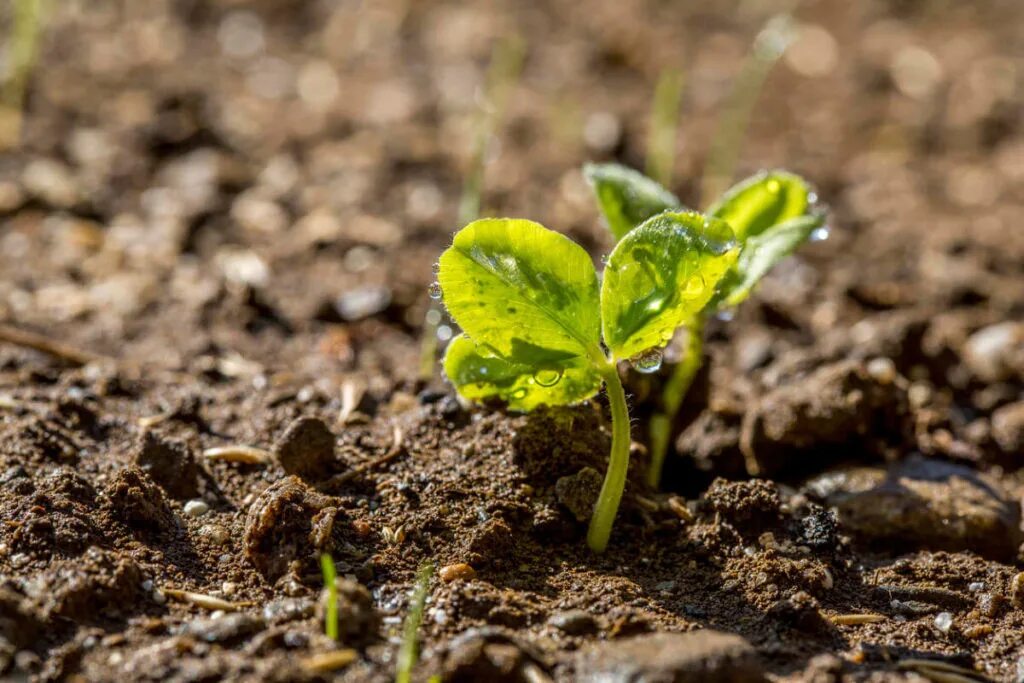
<point x="524" y="382"/>
<point x="761" y="252"/>
<point x="627" y="197"/>
<point x="661" y="275"/>
<point x="763" y="200"/>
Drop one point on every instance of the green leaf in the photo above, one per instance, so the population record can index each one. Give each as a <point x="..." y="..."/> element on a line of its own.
<point x="626" y="197"/>
<point x="523" y="383"/>
<point x="761" y="252"/>
<point x="763" y="200"/>
<point x="522" y="291"/>
<point x="660" y="275"/>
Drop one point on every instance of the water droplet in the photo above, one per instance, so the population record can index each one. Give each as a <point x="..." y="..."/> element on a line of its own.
<point x="812" y="198"/>
<point x="436" y="268"/>
<point x="433" y="317"/>
<point x="726" y="314"/>
<point x="518" y="393"/>
<point x="483" y="369"/>
<point x="548" y="377"/>
<point x="693" y="287"/>
<point x="820" y="234"/>
<point x="444" y="333"/>
<point x="647" y="362"/>
<point x="435" y="291"/>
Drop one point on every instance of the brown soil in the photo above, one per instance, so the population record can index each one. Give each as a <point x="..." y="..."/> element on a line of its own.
<point x="223" y="220"/>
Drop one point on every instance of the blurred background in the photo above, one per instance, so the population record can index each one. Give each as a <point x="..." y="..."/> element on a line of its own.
<point x="225" y="185"/>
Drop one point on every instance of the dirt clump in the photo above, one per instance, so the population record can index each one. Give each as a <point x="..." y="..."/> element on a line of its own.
<point x="133" y="499"/>
<point x="169" y="463"/>
<point x="306" y="449"/>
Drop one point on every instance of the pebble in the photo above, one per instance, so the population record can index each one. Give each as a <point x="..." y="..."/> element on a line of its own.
<point x="457" y="571"/>
<point x="704" y="655"/>
<point x="922" y="503"/>
<point x="996" y="352"/>
<point x="1008" y="428"/>
<point x="944" y="621"/>
<point x="306" y="449"/>
<point x="284" y="610"/>
<point x="574" y="622"/>
<point x="882" y="370"/>
<point x="196" y="508"/>
<point x="215" y="533"/>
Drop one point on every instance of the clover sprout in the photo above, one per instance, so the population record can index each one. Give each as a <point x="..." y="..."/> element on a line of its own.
<point x="538" y="327"/>
<point x="770" y="214"/>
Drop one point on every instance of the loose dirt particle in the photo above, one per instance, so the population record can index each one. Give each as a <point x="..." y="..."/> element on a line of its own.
<point x="456" y="572"/>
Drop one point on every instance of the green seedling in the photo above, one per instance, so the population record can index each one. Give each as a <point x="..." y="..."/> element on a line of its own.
<point x="661" y="137"/>
<point x="330" y="582"/>
<point x="408" y="652"/>
<point x="770" y="215"/>
<point x="539" y="329"/>
<point x="21" y="54"/>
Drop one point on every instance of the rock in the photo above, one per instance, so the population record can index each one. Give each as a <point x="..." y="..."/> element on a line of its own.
<point x="489" y="654"/>
<point x="574" y="622"/>
<point x="578" y="492"/>
<point x="289" y="522"/>
<point x="996" y="352"/>
<point x="196" y="508"/>
<point x="1008" y="428"/>
<point x="306" y="449"/>
<point x="693" y="657"/>
<point x="134" y="499"/>
<point x="750" y="506"/>
<point x="358" y="620"/>
<point x="229" y="628"/>
<point x="921" y="503"/>
<point x="456" y="572"/>
<point x="169" y="463"/>
<point x="837" y="407"/>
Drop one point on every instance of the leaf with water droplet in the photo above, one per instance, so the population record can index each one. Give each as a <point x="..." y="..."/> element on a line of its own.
<point x="761" y="201"/>
<point x="647" y="362"/>
<point x="510" y="281"/>
<point x="761" y="252"/>
<point x="661" y="275"/>
<point x="627" y="197"/>
<point x="516" y="380"/>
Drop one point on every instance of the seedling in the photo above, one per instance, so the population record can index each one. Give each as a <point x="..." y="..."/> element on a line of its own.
<point x="770" y="215"/>
<point x="408" y="652"/>
<point x="330" y="582"/>
<point x="21" y="54"/>
<point x="539" y="329"/>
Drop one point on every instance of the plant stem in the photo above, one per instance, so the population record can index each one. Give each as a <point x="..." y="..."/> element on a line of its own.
<point x="408" y="652"/>
<point x="330" y="582"/>
<point x="661" y="138"/>
<point x="769" y="45"/>
<point x="22" y="52"/>
<point x="672" y="398"/>
<point x="618" y="464"/>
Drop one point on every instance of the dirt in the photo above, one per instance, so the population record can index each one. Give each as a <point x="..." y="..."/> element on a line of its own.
<point x="221" y="228"/>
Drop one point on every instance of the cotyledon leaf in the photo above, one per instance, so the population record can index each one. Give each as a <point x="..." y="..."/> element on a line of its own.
<point x="518" y="289"/>
<point x="660" y="275"/>
<point x="627" y="197"/>
<point x="761" y="252"/>
<point x="768" y="198"/>
<point x="523" y="383"/>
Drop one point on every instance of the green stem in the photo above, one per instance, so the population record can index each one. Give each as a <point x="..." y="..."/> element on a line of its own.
<point x="330" y="581"/>
<point x="661" y="140"/>
<point x="618" y="464"/>
<point x="672" y="398"/>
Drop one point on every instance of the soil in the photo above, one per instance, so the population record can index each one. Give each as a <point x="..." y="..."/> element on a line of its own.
<point x="220" y="229"/>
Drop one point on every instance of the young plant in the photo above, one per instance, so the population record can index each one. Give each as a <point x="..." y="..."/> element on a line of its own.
<point x="539" y="329"/>
<point x="408" y="652"/>
<point x="330" y="582"/>
<point x="770" y="214"/>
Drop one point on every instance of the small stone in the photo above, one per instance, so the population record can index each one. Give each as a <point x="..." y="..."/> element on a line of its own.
<point x="574" y="622"/>
<point x="1008" y="428"/>
<point x="306" y="449"/>
<point x="284" y="610"/>
<point x="215" y="534"/>
<point x="196" y="508"/>
<point x="922" y="503"/>
<point x="996" y="352"/>
<point x="882" y="370"/>
<point x="944" y="621"/>
<point x="362" y="302"/>
<point x="578" y="492"/>
<point x="693" y="657"/>
<point x="457" y="571"/>
<point x="1017" y="590"/>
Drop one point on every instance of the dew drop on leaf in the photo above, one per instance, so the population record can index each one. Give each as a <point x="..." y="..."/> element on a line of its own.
<point x="648" y="361"/>
<point x="548" y="377"/>
<point x="518" y="393"/>
<point x="820" y="234"/>
<point x="726" y="314"/>
<point x="444" y="333"/>
<point x="693" y="287"/>
<point x="435" y="291"/>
